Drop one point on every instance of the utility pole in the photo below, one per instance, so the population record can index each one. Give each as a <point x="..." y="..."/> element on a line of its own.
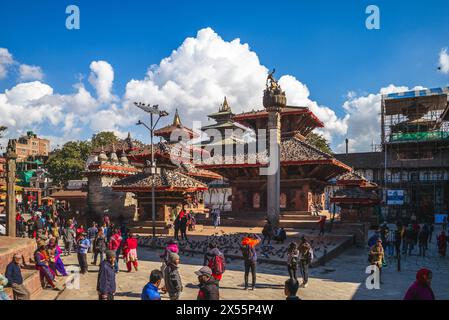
<point x="152" y="110"/>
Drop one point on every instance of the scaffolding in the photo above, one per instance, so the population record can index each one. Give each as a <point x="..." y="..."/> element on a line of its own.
<point x="415" y="143"/>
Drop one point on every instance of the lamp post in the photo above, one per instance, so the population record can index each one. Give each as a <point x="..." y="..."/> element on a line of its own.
<point x="152" y="110"/>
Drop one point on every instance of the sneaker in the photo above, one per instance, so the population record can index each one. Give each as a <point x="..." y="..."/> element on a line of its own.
<point x="304" y="285"/>
<point x="253" y="288"/>
<point x="246" y="288"/>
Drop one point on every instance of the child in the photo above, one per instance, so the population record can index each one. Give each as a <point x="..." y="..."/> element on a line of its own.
<point x="292" y="260"/>
<point x="172" y="247"/>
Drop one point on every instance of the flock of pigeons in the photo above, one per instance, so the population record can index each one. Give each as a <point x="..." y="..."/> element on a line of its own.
<point x="230" y="246"/>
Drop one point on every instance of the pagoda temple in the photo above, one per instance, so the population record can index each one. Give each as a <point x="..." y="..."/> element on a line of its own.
<point x="357" y="198"/>
<point x="174" y="184"/>
<point x="304" y="169"/>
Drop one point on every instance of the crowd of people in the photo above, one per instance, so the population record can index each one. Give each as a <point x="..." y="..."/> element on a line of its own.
<point x="107" y="243"/>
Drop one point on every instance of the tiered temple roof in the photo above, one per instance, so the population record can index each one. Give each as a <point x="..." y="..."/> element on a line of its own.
<point x="355" y="190"/>
<point x="167" y="180"/>
<point x="294" y="120"/>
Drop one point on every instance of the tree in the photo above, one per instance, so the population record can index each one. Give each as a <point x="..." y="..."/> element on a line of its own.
<point x="68" y="163"/>
<point x="318" y="141"/>
<point x="2" y="130"/>
<point x="103" y="139"/>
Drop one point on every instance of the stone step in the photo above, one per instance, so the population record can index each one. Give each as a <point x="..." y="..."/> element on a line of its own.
<point x="299" y="217"/>
<point x="148" y="223"/>
<point x="141" y="230"/>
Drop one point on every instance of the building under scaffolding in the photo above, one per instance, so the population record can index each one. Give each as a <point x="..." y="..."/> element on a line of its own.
<point x="415" y="141"/>
<point x="413" y="166"/>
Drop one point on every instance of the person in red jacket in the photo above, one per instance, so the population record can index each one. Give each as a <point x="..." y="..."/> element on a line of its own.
<point x="130" y="252"/>
<point x="322" y="224"/>
<point x="114" y="244"/>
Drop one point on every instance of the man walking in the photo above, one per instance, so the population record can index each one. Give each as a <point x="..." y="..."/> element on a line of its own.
<point x="106" y="285"/>
<point x="151" y="289"/>
<point x="172" y="279"/>
<point x="15" y="279"/>
<point x="83" y="247"/>
<point x="305" y="259"/>
<point x="249" y="253"/>
<point x="208" y="285"/>
<point x="68" y="235"/>
<point x="92" y="234"/>
<point x="216" y="213"/>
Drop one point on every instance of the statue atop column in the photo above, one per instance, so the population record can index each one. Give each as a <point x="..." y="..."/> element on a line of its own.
<point x="274" y="100"/>
<point x="273" y="97"/>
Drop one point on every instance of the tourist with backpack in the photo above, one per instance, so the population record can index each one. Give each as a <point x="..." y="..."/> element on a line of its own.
<point x="292" y="260"/>
<point x="249" y="253"/>
<point x="305" y="259"/>
<point x="208" y="285"/>
<point x="215" y="260"/>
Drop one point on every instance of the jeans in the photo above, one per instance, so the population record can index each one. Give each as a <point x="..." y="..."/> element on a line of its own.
<point x="117" y="254"/>
<point x="292" y="272"/>
<point x="82" y="261"/>
<point x="68" y="247"/>
<point x="422" y="249"/>
<point x="184" y="232"/>
<point x="91" y="248"/>
<point x="266" y="238"/>
<point x="390" y="249"/>
<point x="217" y="222"/>
<point x="250" y="265"/>
<point x="408" y="247"/>
<point x="96" y="254"/>
<point x="304" y="268"/>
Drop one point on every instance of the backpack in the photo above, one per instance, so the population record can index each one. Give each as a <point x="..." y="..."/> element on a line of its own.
<point x="248" y="254"/>
<point x="217" y="265"/>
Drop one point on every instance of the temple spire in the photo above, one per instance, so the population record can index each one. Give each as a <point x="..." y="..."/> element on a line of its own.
<point x="177" y="119"/>
<point x="225" y="105"/>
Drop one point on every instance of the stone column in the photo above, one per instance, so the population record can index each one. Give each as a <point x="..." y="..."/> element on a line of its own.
<point x="274" y="100"/>
<point x="11" y="157"/>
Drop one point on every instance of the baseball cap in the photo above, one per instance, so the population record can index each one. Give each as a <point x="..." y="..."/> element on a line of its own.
<point x="204" y="271"/>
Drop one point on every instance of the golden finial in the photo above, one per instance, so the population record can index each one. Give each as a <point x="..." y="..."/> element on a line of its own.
<point x="177" y="119"/>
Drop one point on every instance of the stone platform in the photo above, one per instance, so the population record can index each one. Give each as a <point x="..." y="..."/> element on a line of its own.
<point x="25" y="247"/>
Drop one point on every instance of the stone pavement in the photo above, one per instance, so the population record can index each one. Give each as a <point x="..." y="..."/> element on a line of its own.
<point x="341" y="279"/>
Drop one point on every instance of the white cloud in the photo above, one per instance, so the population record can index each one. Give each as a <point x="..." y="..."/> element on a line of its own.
<point x="102" y="78"/>
<point x="194" y="78"/>
<point x="204" y="69"/>
<point x="298" y="94"/>
<point x="6" y="60"/>
<point x="444" y="61"/>
<point x="27" y="72"/>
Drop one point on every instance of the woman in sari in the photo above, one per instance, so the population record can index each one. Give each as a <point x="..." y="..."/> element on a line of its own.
<point x="42" y="261"/>
<point x="56" y="263"/>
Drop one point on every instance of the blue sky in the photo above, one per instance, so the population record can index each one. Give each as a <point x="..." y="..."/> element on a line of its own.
<point x="323" y="44"/>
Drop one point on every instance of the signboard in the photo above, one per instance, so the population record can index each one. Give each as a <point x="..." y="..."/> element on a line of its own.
<point x="395" y="197"/>
<point x="439" y="218"/>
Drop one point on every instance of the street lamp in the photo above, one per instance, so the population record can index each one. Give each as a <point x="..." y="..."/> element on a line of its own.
<point x="152" y="110"/>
